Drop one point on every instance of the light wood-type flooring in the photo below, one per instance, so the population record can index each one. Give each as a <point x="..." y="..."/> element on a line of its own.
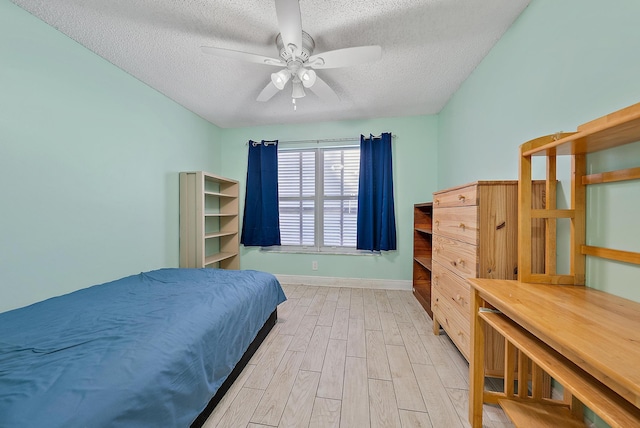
<point x="351" y="357"/>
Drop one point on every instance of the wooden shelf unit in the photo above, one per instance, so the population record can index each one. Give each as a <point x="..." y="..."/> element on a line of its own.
<point x="614" y="130"/>
<point x="208" y="221"/>
<point x="552" y="324"/>
<point x="422" y="242"/>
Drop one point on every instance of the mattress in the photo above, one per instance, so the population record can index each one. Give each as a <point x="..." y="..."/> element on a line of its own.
<point x="146" y="350"/>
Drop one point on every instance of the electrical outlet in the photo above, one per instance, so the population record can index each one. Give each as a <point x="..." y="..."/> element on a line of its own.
<point x="314" y="265"/>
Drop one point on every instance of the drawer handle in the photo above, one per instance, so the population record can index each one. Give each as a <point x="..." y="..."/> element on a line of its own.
<point x="462" y="226"/>
<point x="458" y="297"/>
<point x="460" y="262"/>
<point x="437" y="201"/>
<point x="437" y="223"/>
<point x="462" y="198"/>
<point x="460" y="333"/>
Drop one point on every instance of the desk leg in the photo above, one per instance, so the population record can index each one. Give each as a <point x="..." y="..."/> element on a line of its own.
<point x="476" y="363"/>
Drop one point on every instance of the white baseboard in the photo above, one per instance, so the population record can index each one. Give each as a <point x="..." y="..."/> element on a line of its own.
<point x="328" y="281"/>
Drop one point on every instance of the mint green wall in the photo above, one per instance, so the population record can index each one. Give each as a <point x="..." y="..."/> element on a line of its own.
<point x="414" y="154"/>
<point x="90" y="155"/>
<point x="89" y="162"/>
<point x="561" y="64"/>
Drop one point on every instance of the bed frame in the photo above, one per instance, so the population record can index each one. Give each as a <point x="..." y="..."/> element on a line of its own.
<point x="253" y="347"/>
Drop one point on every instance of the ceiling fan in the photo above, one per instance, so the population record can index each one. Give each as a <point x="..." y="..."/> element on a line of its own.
<point x="296" y="57"/>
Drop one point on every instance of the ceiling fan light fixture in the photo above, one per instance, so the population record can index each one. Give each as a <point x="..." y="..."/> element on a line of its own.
<point x="292" y="50"/>
<point x="308" y="77"/>
<point x="280" y="78"/>
<point x="295" y="55"/>
<point x="298" y="89"/>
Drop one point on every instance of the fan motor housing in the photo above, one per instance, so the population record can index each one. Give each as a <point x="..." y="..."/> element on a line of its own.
<point x="307" y="48"/>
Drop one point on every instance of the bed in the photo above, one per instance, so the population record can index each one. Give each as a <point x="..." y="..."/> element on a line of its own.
<point x="147" y="350"/>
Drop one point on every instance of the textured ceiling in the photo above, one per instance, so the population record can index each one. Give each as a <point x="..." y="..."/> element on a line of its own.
<point x="429" y="47"/>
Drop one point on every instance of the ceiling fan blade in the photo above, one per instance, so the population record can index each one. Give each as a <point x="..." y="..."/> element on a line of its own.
<point x="345" y="57"/>
<point x="244" y="56"/>
<point x="268" y="92"/>
<point x="324" y="91"/>
<point x="290" y="23"/>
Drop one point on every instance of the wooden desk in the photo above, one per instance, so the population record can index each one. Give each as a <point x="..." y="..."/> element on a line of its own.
<point x="587" y="338"/>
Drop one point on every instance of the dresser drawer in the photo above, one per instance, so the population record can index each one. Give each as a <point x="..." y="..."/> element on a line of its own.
<point x="457" y="197"/>
<point x="452" y="321"/>
<point x="458" y="223"/>
<point x="459" y="257"/>
<point x="453" y="288"/>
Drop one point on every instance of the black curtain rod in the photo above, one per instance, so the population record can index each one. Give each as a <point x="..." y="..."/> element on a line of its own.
<point x="318" y="140"/>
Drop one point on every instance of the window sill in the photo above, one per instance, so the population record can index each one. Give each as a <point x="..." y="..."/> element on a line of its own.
<point x="324" y="250"/>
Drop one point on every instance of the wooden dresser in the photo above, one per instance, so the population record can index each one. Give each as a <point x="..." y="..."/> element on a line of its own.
<point x="475" y="235"/>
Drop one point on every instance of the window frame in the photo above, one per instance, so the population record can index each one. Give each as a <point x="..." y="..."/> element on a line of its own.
<point x="319" y="198"/>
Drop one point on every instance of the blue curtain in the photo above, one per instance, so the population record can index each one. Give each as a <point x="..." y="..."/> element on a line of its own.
<point x="261" y="222"/>
<point x="376" y="215"/>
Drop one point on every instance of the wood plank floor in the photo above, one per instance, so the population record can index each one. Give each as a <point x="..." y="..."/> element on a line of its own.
<point x="350" y="357"/>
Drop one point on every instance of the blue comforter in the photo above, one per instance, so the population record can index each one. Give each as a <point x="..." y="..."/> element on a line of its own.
<point x="146" y="350"/>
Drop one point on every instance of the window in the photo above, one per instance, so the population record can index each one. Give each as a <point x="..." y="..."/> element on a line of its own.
<point x="318" y="197"/>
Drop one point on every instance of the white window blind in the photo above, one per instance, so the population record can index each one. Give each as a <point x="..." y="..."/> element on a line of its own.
<point x="318" y="197"/>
